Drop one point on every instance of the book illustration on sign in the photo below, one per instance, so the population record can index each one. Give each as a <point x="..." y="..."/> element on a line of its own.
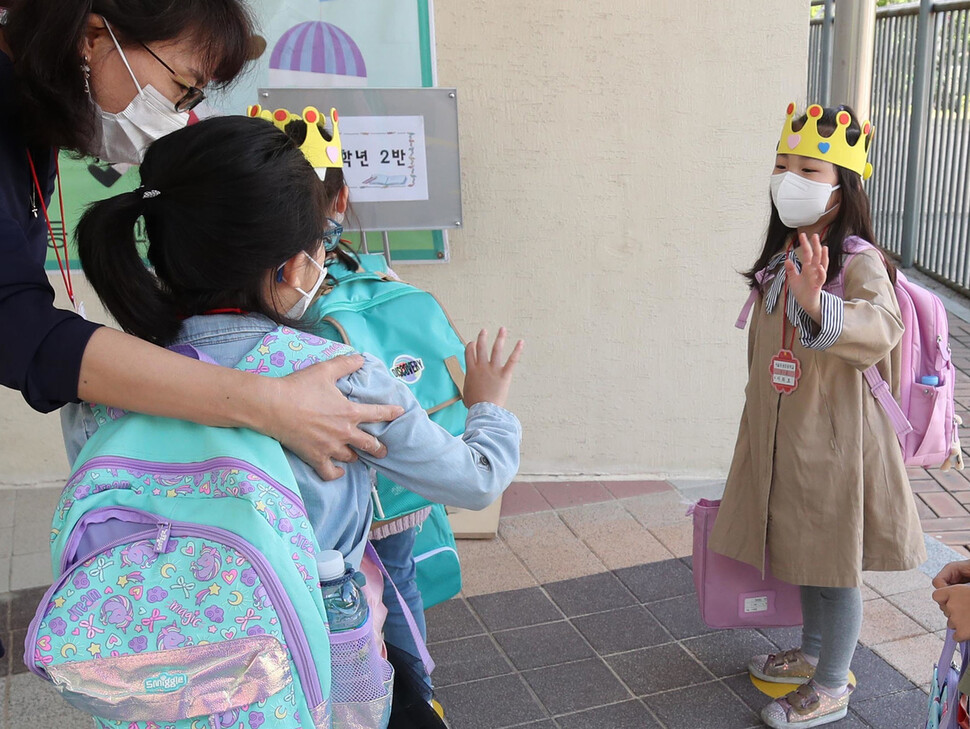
<point x="385" y="157"/>
<point x="386" y="181"/>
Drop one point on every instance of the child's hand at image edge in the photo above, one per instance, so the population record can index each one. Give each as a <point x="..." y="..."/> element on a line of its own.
<point x="952" y="594"/>
<point x="955" y="573"/>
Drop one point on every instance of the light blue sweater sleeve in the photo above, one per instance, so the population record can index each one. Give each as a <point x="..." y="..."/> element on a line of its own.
<point x="470" y="471"/>
<point x="77" y="426"/>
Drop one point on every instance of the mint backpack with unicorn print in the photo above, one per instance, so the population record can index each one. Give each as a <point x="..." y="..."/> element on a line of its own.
<point x="186" y="593"/>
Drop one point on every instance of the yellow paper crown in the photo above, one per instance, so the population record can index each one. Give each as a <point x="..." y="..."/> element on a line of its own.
<point x="808" y="142"/>
<point x="320" y="153"/>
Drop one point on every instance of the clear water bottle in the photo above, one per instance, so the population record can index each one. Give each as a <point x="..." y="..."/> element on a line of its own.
<point x="345" y="604"/>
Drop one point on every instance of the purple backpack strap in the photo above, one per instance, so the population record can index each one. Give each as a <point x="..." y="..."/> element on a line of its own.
<point x="742" y="321"/>
<point x="882" y="393"/>
<point x="189" y="351"/>
<point x="752" y="298"/>
<point x="415" y="633"/>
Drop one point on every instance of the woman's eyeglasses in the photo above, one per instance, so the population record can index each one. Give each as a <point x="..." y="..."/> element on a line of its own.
<point x="193" y="95"/>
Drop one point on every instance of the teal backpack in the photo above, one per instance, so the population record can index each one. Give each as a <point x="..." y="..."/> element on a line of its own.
<point x="409" y="331"/>
<point x="437" y="568"/>
<point x="187" y="592"/>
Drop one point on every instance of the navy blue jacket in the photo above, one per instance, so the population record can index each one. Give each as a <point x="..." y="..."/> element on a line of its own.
<point x="40" y="346"/>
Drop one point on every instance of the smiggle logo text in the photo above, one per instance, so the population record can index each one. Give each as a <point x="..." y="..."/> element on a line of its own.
<point x="165" y="683"/>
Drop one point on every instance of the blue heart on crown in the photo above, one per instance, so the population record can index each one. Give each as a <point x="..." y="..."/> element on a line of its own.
<point x="824" y="147"/>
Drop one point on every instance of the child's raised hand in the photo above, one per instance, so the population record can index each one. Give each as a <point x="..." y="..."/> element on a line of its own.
<point x="954" y="601"/>
<point x="807" y="285"/>
<point x="487" y="378"/>
<point x="955" y="573"/>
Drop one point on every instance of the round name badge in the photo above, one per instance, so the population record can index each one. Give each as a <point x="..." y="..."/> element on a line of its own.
<point x="785" y="370"/>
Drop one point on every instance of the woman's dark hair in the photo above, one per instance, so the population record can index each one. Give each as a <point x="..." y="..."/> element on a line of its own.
<point x="236" y="199"/>
<point x="853" y="218"/>
<point x="46" y="37"/>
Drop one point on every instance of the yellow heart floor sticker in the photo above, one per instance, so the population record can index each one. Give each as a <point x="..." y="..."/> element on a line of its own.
<point x="777" y="690"/>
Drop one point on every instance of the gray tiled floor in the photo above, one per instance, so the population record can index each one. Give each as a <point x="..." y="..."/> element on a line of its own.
<point x="622" y="650"/>
<point x="33" y="704"/>
<point x="16" y="611"/>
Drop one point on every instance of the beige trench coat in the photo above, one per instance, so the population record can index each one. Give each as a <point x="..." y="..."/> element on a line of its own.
<point x="818" y="477"/>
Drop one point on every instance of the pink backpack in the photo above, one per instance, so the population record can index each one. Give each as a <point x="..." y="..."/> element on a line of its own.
<point x="924" y="418"/>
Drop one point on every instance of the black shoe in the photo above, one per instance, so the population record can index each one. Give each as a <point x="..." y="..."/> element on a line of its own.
<point x="409" y="708"/>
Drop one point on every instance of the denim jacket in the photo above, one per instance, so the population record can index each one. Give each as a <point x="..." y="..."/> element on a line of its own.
<point x="470" y="471"/>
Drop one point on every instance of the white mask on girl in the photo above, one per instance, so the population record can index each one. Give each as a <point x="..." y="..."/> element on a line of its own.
<point x="298" y="309"/>
<point x="126" y="135"/>
<point x="799" y="201"/>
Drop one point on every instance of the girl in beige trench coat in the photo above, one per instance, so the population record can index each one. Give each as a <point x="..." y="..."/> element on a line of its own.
<point x="817" y="482"/>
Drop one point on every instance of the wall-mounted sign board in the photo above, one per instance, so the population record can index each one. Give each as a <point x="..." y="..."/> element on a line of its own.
<point x="400" y="149"/>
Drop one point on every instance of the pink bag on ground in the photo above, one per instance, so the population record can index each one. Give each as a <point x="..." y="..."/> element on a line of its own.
<point x="733" y="594"/>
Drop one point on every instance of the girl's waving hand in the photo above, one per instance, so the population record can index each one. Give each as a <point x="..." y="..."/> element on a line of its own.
<point x="487" y="379"/>
<point x="807" y="285"/>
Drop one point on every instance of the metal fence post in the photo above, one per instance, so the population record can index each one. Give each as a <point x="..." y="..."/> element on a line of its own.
<point x="855" y="33"/>
<point x="916" y="153"/>
<point x="825" y="60"/>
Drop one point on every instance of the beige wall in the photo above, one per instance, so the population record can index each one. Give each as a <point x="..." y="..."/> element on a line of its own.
<point x="31" y="448"/>
<point x="615" y="159"/>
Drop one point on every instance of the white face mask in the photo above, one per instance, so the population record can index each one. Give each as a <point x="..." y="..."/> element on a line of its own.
<point x="306" y="297"/>
<point x="126" y="135"/>
<point x="800" y="202"/>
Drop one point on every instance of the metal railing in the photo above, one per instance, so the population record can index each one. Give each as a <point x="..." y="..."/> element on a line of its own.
<point x="820" y="52"/>
<point x="921" y="86"/>
<point x="892" y="98"/>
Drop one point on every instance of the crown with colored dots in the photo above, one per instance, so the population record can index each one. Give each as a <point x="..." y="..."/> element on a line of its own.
<point x="808" y="142"/>
<point x="320" y="153"/>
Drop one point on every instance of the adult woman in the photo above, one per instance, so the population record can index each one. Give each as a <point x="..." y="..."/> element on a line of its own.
<point x="107" y="77"/>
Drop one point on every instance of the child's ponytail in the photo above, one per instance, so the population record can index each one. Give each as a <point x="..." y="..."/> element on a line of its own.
<point x="108" y="251"/>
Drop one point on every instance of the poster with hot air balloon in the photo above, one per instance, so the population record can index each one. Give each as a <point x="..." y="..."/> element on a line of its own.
<point x="319" y="44"/>
<point x="316" y="54"/>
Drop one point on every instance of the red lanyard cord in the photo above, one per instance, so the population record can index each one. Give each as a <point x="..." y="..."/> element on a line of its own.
<point x="784" y="321"/>
<point x="65" y="265"/>
<point x="226" y="310"/>
<point x="784" y="309"/>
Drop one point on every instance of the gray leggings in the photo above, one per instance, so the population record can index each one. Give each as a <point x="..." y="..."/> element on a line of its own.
<point x="833" y="619"/>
